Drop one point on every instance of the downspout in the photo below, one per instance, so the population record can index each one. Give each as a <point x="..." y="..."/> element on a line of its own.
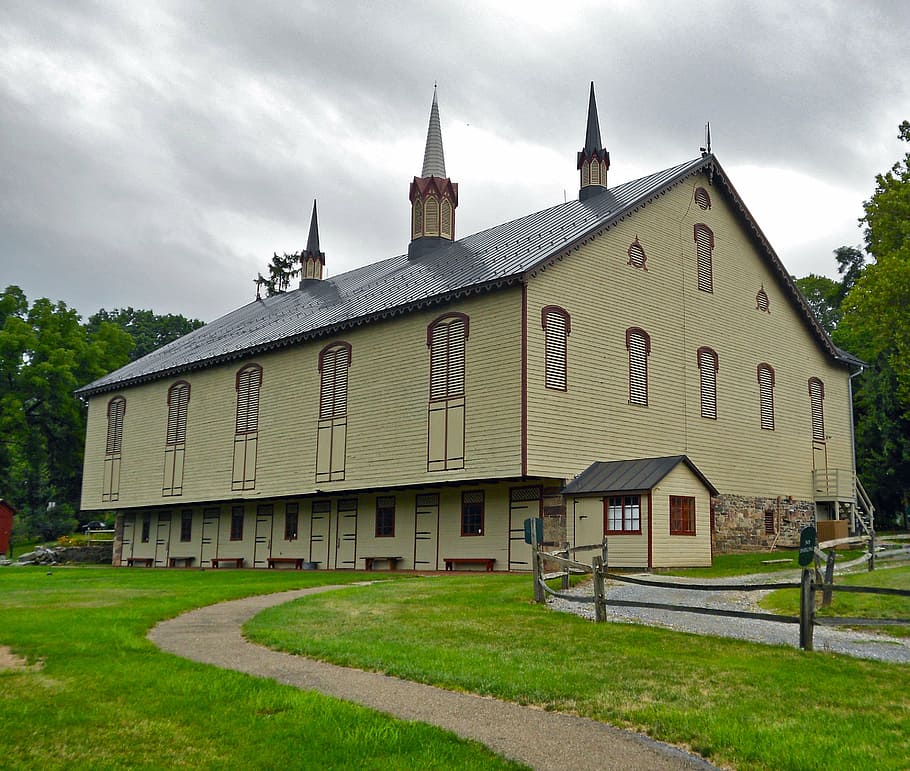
<point x="524" y="379"/>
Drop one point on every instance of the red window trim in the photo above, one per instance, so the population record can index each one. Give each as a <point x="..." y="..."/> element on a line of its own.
<point x="442" y="319"/>
<point x="555" y="309"/>
<point x="376" y="532"/>
<point x="638" y="331"/>
<point x="707" y="195"/>
<point x="694" y="529"/>
<point x="764" y="366"/>
<point x="483" y="513"/>
<point x="606" y="514"/>
<point x="644" y="255"/>
<point x="336" y="344"/>
<point x="251" y="366"/>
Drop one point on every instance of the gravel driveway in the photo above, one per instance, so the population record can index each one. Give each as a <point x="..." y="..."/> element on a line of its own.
<point x="859" y="644"/>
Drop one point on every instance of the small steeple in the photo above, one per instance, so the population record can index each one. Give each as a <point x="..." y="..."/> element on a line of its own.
<point x="433" y="195"/>
<point x="593" y="160"/>
<point x="312" y="260"/>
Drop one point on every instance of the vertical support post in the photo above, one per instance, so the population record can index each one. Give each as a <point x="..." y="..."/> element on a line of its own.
<point x="829" y="579"/>
<point x="603" y="550"/>
<point x="539" y="595"/>
<point x="806" y="610"/>
<point x="565" y="575"/>
<point x="600" y="608"/>
<point x="872" y="551"/>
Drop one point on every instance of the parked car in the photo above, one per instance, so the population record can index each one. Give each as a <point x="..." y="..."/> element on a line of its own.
<point x="95" y="525"/>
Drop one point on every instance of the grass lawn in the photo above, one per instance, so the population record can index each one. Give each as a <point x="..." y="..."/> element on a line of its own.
<point x="99" y="695"/>
<point x="857" y="605"/>
<point x="745" y="705"/>
<point x="750" y="563"/>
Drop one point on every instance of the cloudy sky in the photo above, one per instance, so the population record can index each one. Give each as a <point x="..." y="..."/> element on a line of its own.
<point x="155" y="154"/>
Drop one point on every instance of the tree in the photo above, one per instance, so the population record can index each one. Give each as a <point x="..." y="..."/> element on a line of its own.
<point x="148" y="330"/>
<point x="281" y="271"/>
<point x="45" y="354"/>
<point x="824" y="297"/>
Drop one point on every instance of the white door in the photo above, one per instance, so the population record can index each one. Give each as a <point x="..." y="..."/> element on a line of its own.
<point x="262" y="547"/>
<point x="426" y="529"/>
<point x="211" y="521"/>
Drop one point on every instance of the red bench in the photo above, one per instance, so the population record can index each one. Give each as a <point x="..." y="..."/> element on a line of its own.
<point x="238" y="561"/>
<point x="393" y="562"/>
<point x="187" y="561"/>
<point x="136" y="561"/>
<point x="297" y="562"/>
<point x="486" y="561"/>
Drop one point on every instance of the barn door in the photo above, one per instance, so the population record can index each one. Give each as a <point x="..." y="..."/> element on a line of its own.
<point x="346" y="533"/>
<point x="162" y="539"/>
<point x="262" y="546"/>
<point x="211" y="520"/>
<point x="524" y="503"/>
<point x="129" y="537"/>
<point x="426" y="528"/>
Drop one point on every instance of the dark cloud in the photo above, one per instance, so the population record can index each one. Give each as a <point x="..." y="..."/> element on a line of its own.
<point x="156" y="154"/>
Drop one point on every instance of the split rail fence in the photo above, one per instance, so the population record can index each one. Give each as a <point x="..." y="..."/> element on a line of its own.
<point x="811" y="582"/>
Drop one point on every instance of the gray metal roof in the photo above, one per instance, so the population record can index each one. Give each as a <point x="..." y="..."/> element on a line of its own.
<point x="434" y="162"/>
<point x="592" y="130"/>
<point x="498" y="257"/>
<point x="621" y="476"/>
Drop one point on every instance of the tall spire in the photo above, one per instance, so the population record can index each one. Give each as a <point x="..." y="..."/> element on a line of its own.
<point x="434" y="162"/>
<point x="433" y="195"/>
<point x="593" y="160"/>
<point x="312" y="260"/>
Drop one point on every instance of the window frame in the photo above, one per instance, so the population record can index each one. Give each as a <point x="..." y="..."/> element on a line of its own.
<point x="766" y="396"/>
<point x="625" y="504"/>
<point x="291" y="521"/>
<point x="248" y="423"/>
<point x="116" y="415"/>
<point x="237" y="519"/>
<point x="446" y="320"/>
<point x="638" y="369"/>
<point x="556" y="346"/>
<point x="177" y="413"/>
<point x="817" y="409"/>
<point x="470" y="516"/>
<point x="385" y="516"/>
<point x="690" y="515"/>
<point x="186" y="525"/>
<point x="704" y="257"/>
<point x="146" y="532"/>
<point x="707" y="381"/>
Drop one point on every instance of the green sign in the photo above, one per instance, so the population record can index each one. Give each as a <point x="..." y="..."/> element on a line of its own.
<point x="539" y="528"/>
<point x="808" y="539"/>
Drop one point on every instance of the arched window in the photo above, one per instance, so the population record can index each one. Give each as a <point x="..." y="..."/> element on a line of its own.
<point x="637" y="256"/>
<point x="766" y="395"/>
<point x="817" y="403"/>
<point x="116" y="411"/>
<point x="331" y="434"/>
<point x="418" y="219"/>
<point x="178" y="399"/>
<point x="707" y="367"/>
<point x="585" y="173"/>
<point x="557" y="325"/>
<point x="762" y="303"/>
<point x="445" y="218"/>
<point x="704" y="254"/>
<point x="702" y="198"/>
<point x="638" y="343"/>
<point x="595" y="171"/>
<point x="431" y="212"/>
<point x="246" y="427"/>
<point x="446" y="339"/>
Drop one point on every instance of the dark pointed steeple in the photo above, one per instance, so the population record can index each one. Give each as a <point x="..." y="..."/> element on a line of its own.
<point x="312" y="261"/>
<point x="433" y="195"/>
<point x="593" y="160"/>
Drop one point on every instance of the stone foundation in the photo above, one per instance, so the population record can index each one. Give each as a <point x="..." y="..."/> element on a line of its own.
<point x="744" y="523"/>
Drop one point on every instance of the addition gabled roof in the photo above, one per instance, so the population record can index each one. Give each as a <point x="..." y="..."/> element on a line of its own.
<point x="624" y="476"/>
<point x="504" y="255"/>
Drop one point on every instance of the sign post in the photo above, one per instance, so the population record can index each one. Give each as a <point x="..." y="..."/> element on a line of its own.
<point x="808" y="540"/>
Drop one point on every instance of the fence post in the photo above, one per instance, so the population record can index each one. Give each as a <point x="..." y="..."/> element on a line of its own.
<point x="565" y="575"/>
<point x="829" y="579"/>
<point x="599" y="607"/>
<point x="872" y="551"/>
<point x="603" y="550"/>
<point x="806" y="610"/>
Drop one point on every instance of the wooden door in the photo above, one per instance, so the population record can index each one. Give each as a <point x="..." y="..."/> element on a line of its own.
<point x="320" y="521"/>
<point x="262" y="545"/>
<point x="162" y="539"/>
<point x="211" y="523"/>
<point x="426" y="530"/>
<point x="524" y="503"/>
<point x="129" y="537"/>
<point x="346" y="534"/>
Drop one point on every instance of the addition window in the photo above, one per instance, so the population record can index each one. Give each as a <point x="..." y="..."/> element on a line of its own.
<point x="332" y="432"/>
<point x="186" y="525"/>
<point x="291" y="516"/>
<point x="557" y="325"/>
<point x="817" y="403"/>
<point x="246" y="427"/>
<point x="638" y="343"/>
<point x="704" y="254"/>
<point x="707" y="367"/>
<point x="766" y="395"/>
<point x="146" y="527"/>
<point x="446" y="339"/>
<point x="178" y="399"/>
<point x="472" y="512"/>
<point x="622" y="514"/>
<point x="385" y="516"/>
<point x="237" y="523"/>
<point x="116" y="410"/>
<point x="637" y="256"/>
<point x="682" y="515"/>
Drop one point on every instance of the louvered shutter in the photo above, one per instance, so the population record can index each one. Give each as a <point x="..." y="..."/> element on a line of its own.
<point x="636" y="255"/>
<point x="333" y="395"/>
<point x="177" y="406"/>
<point x="115" y="411"/>
<point x="445" y="218"/>
<point x="702" y="198"/>
<point x="707" y="364"/>
<point x="704" y="245"/>
<point x="556" y="331"/>
<point x="248" y="383"/>
<point x="762" y="302"/>
<point x="637" y="344"/>
<point x="447" y="359"/>
<point x="816" y="397"/>
<point x="431" y="214"/>
<point x="766" y="396"/>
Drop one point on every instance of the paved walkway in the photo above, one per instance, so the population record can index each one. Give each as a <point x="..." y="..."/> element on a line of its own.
<point x="542" y="740"/>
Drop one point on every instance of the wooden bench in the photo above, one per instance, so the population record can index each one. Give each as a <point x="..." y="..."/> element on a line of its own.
<point x="137" y="561"/>
<point x="186" y="561"/>
<point x="238" y="561"/>
<point x="297" y="562"/>
<point x="486" y="561"/>
<point x="393" y="562"/>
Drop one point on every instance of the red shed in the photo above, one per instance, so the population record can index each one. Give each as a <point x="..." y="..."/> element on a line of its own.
<point x="6" y="524"/>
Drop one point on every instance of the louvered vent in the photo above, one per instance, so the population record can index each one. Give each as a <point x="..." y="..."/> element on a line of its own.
<point x="702" y="198"/>
<point x="637" y="256"/>
<point x="447" y="358"/>
<point x="116" y="409"/>
<point x="766" y="396"/>
<point x="556" y="330"/>
<point x="178" y="399"/>
<point x="816" y="398"/>
<point x="762" y="303"/>
<point x="639" y="344"/>
<point x="249" y="381"/>
<point x="707" y="365"/>
<point x="704" y="247"/>
<point x="333" y="392"/>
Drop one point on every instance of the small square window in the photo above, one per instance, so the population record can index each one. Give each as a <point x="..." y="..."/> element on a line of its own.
<point x="682" y="515"/>
<point x="291" y="511"/>
<point x="385" y="516"/>
<point x="237" y="523"/>
<point x="472" y="513"/>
